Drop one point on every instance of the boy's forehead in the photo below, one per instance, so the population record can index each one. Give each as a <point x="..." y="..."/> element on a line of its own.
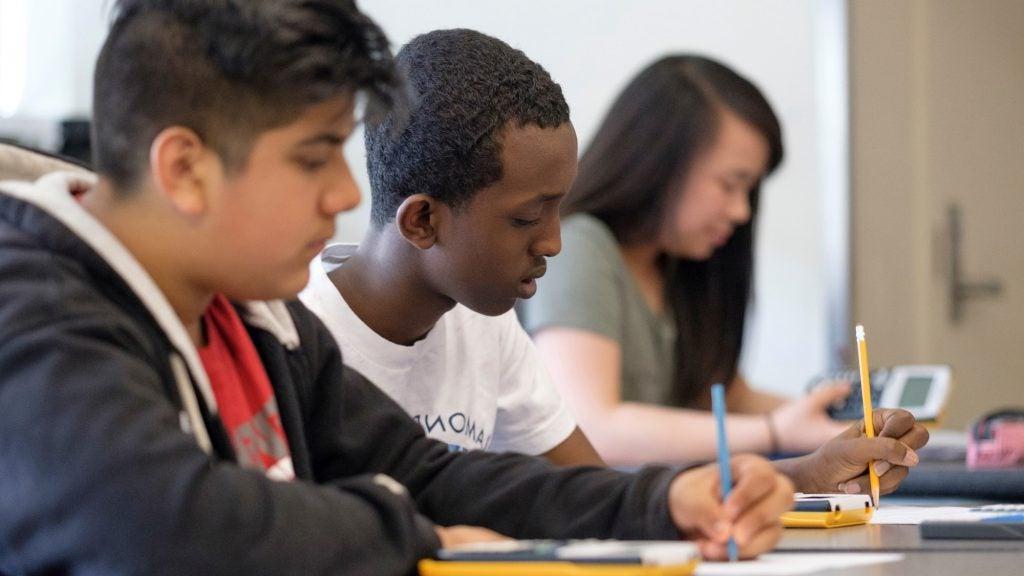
<point x="518" y="139"/>
<point x="531" y="154"/>
<point x="538" y="164"/>
<point x="334" y="114"/>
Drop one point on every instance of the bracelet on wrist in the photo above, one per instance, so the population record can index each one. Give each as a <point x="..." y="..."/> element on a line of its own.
<point x="773" y="434"/>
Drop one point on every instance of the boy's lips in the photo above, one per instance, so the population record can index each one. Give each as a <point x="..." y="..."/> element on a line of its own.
<point x="528" y="285"/>
<point x="535" y="273"/>
<point x="720" y="238"/>
<point x="527" y="288"/>
<point x="319" y="244"/>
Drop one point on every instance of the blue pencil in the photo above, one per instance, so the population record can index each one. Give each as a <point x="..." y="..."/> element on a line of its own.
<point x="718" y="407"/>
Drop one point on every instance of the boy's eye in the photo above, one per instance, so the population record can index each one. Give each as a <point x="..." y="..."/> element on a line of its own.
<point x="733" y="188"/>
<point x="524" y="223"/>
<point x="310" y="164"/>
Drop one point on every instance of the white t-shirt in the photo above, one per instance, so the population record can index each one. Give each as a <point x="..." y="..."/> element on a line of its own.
<point x="474" y="382"/>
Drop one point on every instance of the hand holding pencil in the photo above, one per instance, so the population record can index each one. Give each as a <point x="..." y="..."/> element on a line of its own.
<point x="840" y="465"/>
<point x="731" y="520"/>
<point x="750" y="514"/>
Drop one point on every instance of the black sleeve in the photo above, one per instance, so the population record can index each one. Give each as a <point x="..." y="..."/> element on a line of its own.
<point x="357" y="427"/>
<point x="97" y="477"/>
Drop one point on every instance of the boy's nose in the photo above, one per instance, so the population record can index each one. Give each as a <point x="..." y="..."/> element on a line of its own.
<point x="550" y="244"/>
<point x="343" y="196"/>
<point x="739" y="208"/>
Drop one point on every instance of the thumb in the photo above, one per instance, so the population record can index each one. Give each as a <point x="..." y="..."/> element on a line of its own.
<point x="888" y="450"/>
<point x="825" y="396"/>
<point x="695" y="506"/>
<point x="892" y="422"/>
<point x="708" y="517"/>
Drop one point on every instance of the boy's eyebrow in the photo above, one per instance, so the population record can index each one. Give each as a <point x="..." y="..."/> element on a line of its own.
<point x="745" y="174"/>
<point x="542" y="199"/>
<point x="329" y="138"/>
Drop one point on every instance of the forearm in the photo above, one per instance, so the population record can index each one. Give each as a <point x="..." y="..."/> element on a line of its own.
<point x="746" y="400"/>
<point x="551" y="502"/>
<point x="477" y="488"/>
<point x="631" y="434"/>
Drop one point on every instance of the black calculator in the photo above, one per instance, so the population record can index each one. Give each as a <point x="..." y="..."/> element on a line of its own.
<point x="852" y="407"/>
<point x="922" y="390"/>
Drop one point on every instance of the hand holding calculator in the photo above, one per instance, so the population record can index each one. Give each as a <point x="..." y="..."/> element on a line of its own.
<point x="921" y="390"/>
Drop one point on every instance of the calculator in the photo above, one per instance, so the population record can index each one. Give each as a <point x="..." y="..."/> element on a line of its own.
<point x="565" y="558"/>
<point x="828" y="510"/>
<point x="922" y="390"/>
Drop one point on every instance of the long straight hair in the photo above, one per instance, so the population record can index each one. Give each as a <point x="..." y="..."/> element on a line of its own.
<point x="629" y="177"/>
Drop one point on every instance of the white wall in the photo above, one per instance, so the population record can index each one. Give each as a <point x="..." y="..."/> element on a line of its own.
<point x="592" y="47"/>
<point x="51" y="76"/>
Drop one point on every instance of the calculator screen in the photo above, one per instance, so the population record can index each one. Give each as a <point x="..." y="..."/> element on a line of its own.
<point x="915" y="391"/>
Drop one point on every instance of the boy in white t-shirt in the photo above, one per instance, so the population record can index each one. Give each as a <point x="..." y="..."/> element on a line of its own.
<point x="466" y="193"/>
<point x="473" y="381"/>
<point x="464" y="214"/>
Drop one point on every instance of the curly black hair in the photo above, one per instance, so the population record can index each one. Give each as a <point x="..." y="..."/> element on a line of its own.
<point x="466" y="87"/>
<point x="229" y="70"/>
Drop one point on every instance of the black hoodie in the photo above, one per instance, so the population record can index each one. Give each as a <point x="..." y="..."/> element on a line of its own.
<point x="112" y="459"/>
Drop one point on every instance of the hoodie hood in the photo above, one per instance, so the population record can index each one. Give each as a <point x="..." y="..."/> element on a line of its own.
<point x="53" y="195"/>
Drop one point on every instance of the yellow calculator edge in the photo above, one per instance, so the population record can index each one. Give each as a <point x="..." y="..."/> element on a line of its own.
<point x="829" y="511"/>
<point x="565" y="558"/>
<point x="454" y="568"/>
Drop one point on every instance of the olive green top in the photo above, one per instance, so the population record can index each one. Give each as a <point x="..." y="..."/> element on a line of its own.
<point x="588" y="287"/>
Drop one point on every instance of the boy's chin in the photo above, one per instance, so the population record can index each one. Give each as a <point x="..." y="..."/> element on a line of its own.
<point x="493" y="307"/>
<point x="287" y="290"/>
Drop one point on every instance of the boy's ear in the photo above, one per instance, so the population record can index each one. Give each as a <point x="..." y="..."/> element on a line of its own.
<point x="417" y="219"/>
<point x="183" y="169"/>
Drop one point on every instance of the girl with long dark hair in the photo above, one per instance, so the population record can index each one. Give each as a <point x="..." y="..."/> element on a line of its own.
<point x="645" y="307"/>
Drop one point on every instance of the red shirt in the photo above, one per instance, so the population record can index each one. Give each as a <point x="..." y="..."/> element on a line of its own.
<point x="244" y="396"/>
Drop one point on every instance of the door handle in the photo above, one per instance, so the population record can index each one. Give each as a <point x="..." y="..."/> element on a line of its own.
<point x="961" y="290"/>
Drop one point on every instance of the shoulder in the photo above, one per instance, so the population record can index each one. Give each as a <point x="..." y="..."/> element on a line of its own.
<point x="589" y="254"/>
<point x="586" y="229"/>
<point x="43" y="288"/>
<point x="584" y="284"/>
<point x="322" y="299"/>
<point x="314" y="337"/>
<point x="319" y="293"/>
<point x="588" y="247"/>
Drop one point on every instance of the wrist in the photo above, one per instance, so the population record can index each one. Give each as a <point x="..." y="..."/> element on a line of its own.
<point x="800" y="471"/>
<point x="774" y="445"/>
<point x="677" y="496"/>
<point x="681" y="491"/>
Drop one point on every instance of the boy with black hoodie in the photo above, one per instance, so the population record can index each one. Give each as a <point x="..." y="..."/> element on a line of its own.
<point x="163" y="411"/>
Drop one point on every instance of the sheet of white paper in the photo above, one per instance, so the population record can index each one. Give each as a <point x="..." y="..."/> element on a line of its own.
<point x="918" y="514"/>
<point x="783" y="564"/>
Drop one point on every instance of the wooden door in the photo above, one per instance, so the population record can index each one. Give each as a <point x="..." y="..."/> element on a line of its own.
<point x="937" y="116"/>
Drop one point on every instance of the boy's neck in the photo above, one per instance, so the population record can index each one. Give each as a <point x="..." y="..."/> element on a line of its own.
<point x="383" y="286"/>
<point x="148" y="237"/>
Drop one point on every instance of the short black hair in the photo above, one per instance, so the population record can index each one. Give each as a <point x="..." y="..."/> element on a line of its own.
<point x="229" y="70"/>
<point x="466" y="87"/>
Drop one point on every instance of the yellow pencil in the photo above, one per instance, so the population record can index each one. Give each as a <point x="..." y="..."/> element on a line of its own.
<point x="865" y="393"/>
